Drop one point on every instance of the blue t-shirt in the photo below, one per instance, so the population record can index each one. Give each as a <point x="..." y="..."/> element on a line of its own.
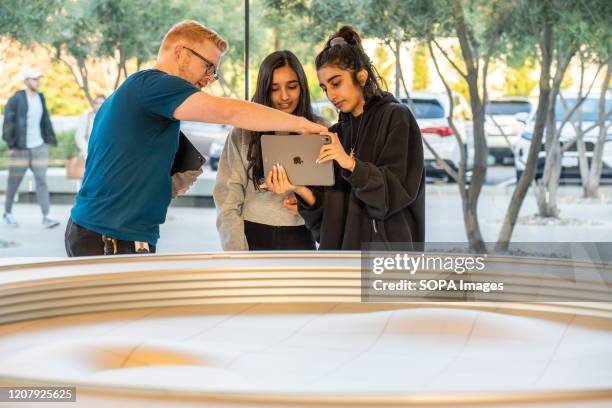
<point x="127" y="186"/>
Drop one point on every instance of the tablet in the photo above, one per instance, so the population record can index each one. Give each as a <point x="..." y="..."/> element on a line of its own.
<point x="297" y="154"/>
<point x="187" y="157"/>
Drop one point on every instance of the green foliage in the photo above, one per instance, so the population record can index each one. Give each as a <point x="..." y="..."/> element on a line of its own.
<point x="25" y="21"/>
<point x="65" y="149"/>
<point x="460" y="86"/>
<point x="130" y="31"/>
<point x="62" y="95"/>
<point x="421" y="81"/>
<point x="133" y="28"/>
<point x="517" y="81"/>
<point x="568" y="82"/>
<point x="227" y="19"/>
<point x="384" y="64"/>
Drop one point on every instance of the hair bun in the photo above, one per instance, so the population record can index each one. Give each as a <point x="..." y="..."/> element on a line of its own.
<point x="349" y="34"/>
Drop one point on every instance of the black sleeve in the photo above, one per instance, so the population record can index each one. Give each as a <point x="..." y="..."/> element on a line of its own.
<point x="312" y="215"/>
<point x="382" y="186"/>
<point x="10" y="118"/>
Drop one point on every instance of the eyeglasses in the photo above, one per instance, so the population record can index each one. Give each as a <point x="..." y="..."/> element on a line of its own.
<point x="211" y="70"/>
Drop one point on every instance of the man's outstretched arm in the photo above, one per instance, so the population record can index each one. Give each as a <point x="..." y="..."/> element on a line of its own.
<point x="202" y="107"/>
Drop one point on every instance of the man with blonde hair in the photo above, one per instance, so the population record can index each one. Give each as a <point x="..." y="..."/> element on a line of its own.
<point x="127" y="185"/>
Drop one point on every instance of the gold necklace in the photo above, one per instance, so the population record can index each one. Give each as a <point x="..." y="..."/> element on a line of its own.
<point x="354" y="145"/>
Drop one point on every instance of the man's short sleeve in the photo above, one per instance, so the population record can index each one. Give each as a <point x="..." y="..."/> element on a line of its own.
<point x="163" y="93"/>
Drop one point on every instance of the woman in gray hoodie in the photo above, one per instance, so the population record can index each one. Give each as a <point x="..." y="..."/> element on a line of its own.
<point x="249" y="217"/>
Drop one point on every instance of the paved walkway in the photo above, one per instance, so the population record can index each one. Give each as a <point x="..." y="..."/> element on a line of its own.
<point x="192" y="229"/>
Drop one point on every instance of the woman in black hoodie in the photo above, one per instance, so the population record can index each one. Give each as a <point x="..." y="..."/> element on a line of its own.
<point x="379" y="192"/>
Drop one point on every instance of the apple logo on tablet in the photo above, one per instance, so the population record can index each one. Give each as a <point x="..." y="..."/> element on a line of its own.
<point x="297" y="160"/>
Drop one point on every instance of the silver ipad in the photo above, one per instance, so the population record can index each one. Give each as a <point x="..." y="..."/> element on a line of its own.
<point x="297" y="154"/>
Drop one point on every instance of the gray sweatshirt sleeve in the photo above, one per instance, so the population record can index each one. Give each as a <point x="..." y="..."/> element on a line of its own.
<point x="229" y="193"/>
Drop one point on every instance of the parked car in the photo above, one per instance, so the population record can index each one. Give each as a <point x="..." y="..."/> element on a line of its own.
<point x="502" y="128"/>
<point x="431" y="111"/>
<point x="204" y="135"/>
<point x="326" y="110"/>
<point x="214" y="153"/>
<point x="589" y="110"/>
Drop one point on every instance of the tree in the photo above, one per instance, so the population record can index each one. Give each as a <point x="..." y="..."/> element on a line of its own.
<point x="25" y="21"/>
<point x="591" y="184"/>
<point x="573" y="20"/>
<point x="478" y="27"/>
<point x="600" y="48"/>
<point x="576" y="120"/>
<point x="71" y="38"/>
<point x="550" y="29"/>
<point x="88" y="31"/>
<point x="132" y="29"/>
<point x="564" y="45"/>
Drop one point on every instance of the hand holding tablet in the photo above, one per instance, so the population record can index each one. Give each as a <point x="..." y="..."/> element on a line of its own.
<point x="335" y="151"/>
<point x="296" y="156"/>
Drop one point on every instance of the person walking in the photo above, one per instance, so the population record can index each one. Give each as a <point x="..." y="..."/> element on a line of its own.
<point x="27" y="131"/>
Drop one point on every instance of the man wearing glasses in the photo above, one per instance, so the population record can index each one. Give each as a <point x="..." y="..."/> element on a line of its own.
<point x="127" y="185"/>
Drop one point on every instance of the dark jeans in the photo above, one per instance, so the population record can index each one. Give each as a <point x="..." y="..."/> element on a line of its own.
<point x="262" y="237"/>
<point x="80" y="241"/>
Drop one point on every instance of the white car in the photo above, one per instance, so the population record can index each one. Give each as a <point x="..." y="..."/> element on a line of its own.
<point x="589" y="110"/>
<point x="326" y="110"/>
<point x="204" y="135"/>
<point x="431" y="111"/>
<point x="502" y="128"/>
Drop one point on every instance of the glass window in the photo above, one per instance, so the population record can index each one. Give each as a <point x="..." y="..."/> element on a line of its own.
<point x="507" y="107"/>
<point x="589" y="109"/>
<point x="426" y="108"/>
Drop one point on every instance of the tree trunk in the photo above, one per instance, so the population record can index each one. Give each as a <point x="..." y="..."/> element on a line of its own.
<point x="459" y="175"/>
<point x="591" y="188"/>
<point x="479" y="171"/>
<point x="583" y="164"/>
<point x="120" y="69"/>
<point x="84" y="80"/>
<point x="546" y="189"/>
<point x="547" y="203"/>
<point x="545" y="42"/>
<point x="472" y="227"/>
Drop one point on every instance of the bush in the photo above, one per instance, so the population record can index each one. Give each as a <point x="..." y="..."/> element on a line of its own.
<point x="65" y="149"/>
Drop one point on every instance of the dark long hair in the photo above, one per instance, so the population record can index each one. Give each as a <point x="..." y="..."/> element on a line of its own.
<point x="263" y="95"/>
<point x="349" y="55"/>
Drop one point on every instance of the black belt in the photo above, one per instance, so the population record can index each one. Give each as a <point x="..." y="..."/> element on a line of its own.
<point x="114" y="246"/>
